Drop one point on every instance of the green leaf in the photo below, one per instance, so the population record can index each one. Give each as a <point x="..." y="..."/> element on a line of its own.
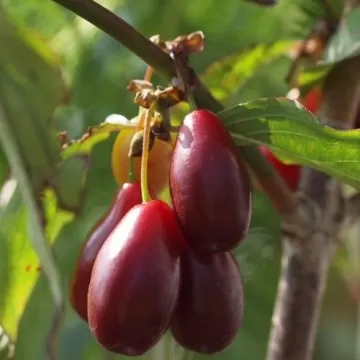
<point x="346" y="41"/>
<point x="4" y="168"/>
<point x="18" y="265"/>
<point x="312" y="76"/>
<point x="30" y="88"/>
<point x="296" y="136"/>
<point x="97" y="134"/>
<point x="70" y="182"/>
<point x="35" y="216"/>
<point x="225" y="77"/>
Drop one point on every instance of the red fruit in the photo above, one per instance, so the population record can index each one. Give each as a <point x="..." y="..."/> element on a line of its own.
<point x="135" y="280"/>
<point x="210" y="305"/>
<point x="127" y="197"/>
<point x="209" y="185"/>
<point x="290" y="173"/>
<point x="312" y="100"/>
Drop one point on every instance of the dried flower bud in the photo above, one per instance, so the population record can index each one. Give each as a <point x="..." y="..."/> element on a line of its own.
<point x="138" y="85"/>
<point x="195" y="42"/>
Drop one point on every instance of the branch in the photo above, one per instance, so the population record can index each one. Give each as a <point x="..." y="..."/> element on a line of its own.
<point x="305" y="263"/>
<point x="105" y="20"/>
<point x="307" y="256"/>
<point x="121" y="31"/>
<point x="352" y="211"/>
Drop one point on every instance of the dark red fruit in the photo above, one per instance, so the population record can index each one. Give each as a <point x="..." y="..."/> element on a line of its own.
<point x="135" y="280"/>
<point x="210" y="307"/>
<point x="127" y="197"/>
<point x="290" y="173"/>
<point x="209" y="185"/>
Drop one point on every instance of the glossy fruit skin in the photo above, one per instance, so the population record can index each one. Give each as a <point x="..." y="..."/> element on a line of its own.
<point x="158" y="164"/>
<point x="135" y="280"/>
<point x="290" y="173"/>
<point x="211" y="302"/>
<point x="209" y="185"/>
<point x="127" y="197"/>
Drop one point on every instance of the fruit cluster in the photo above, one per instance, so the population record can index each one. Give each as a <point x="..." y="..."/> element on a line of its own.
<point x="147" y="266"/>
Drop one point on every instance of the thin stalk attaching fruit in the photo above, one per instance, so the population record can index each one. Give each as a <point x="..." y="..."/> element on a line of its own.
<point x="148" y="74"/>
<point x="145" y="154"/>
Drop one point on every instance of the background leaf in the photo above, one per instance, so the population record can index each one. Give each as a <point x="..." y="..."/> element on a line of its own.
<point x="36" y="79"/>
<point x="225" y="77"/>
<point x="18" y="265"/>
<point x="4" y="168"/>
<point x="345" y="43"/>
<point x="30" y="88"/>
<point x="294" y="133"/>
<point x="312" y="76"/>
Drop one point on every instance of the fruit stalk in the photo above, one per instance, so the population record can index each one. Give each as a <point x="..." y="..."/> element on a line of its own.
<point x="145" y="154"/>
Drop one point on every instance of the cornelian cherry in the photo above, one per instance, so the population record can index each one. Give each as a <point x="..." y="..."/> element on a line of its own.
<point x="290" y="173"/>
<point x="209" y="185"/>
<point x="127" y="197"/>
<point x="135" y="280"/>
<point x="210" y="307"/>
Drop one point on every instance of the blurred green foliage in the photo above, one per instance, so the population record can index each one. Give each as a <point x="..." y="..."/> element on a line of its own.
<point x="295" y="136"/>
<point x="108" y="67"/>
<point x="97" y="70"/>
